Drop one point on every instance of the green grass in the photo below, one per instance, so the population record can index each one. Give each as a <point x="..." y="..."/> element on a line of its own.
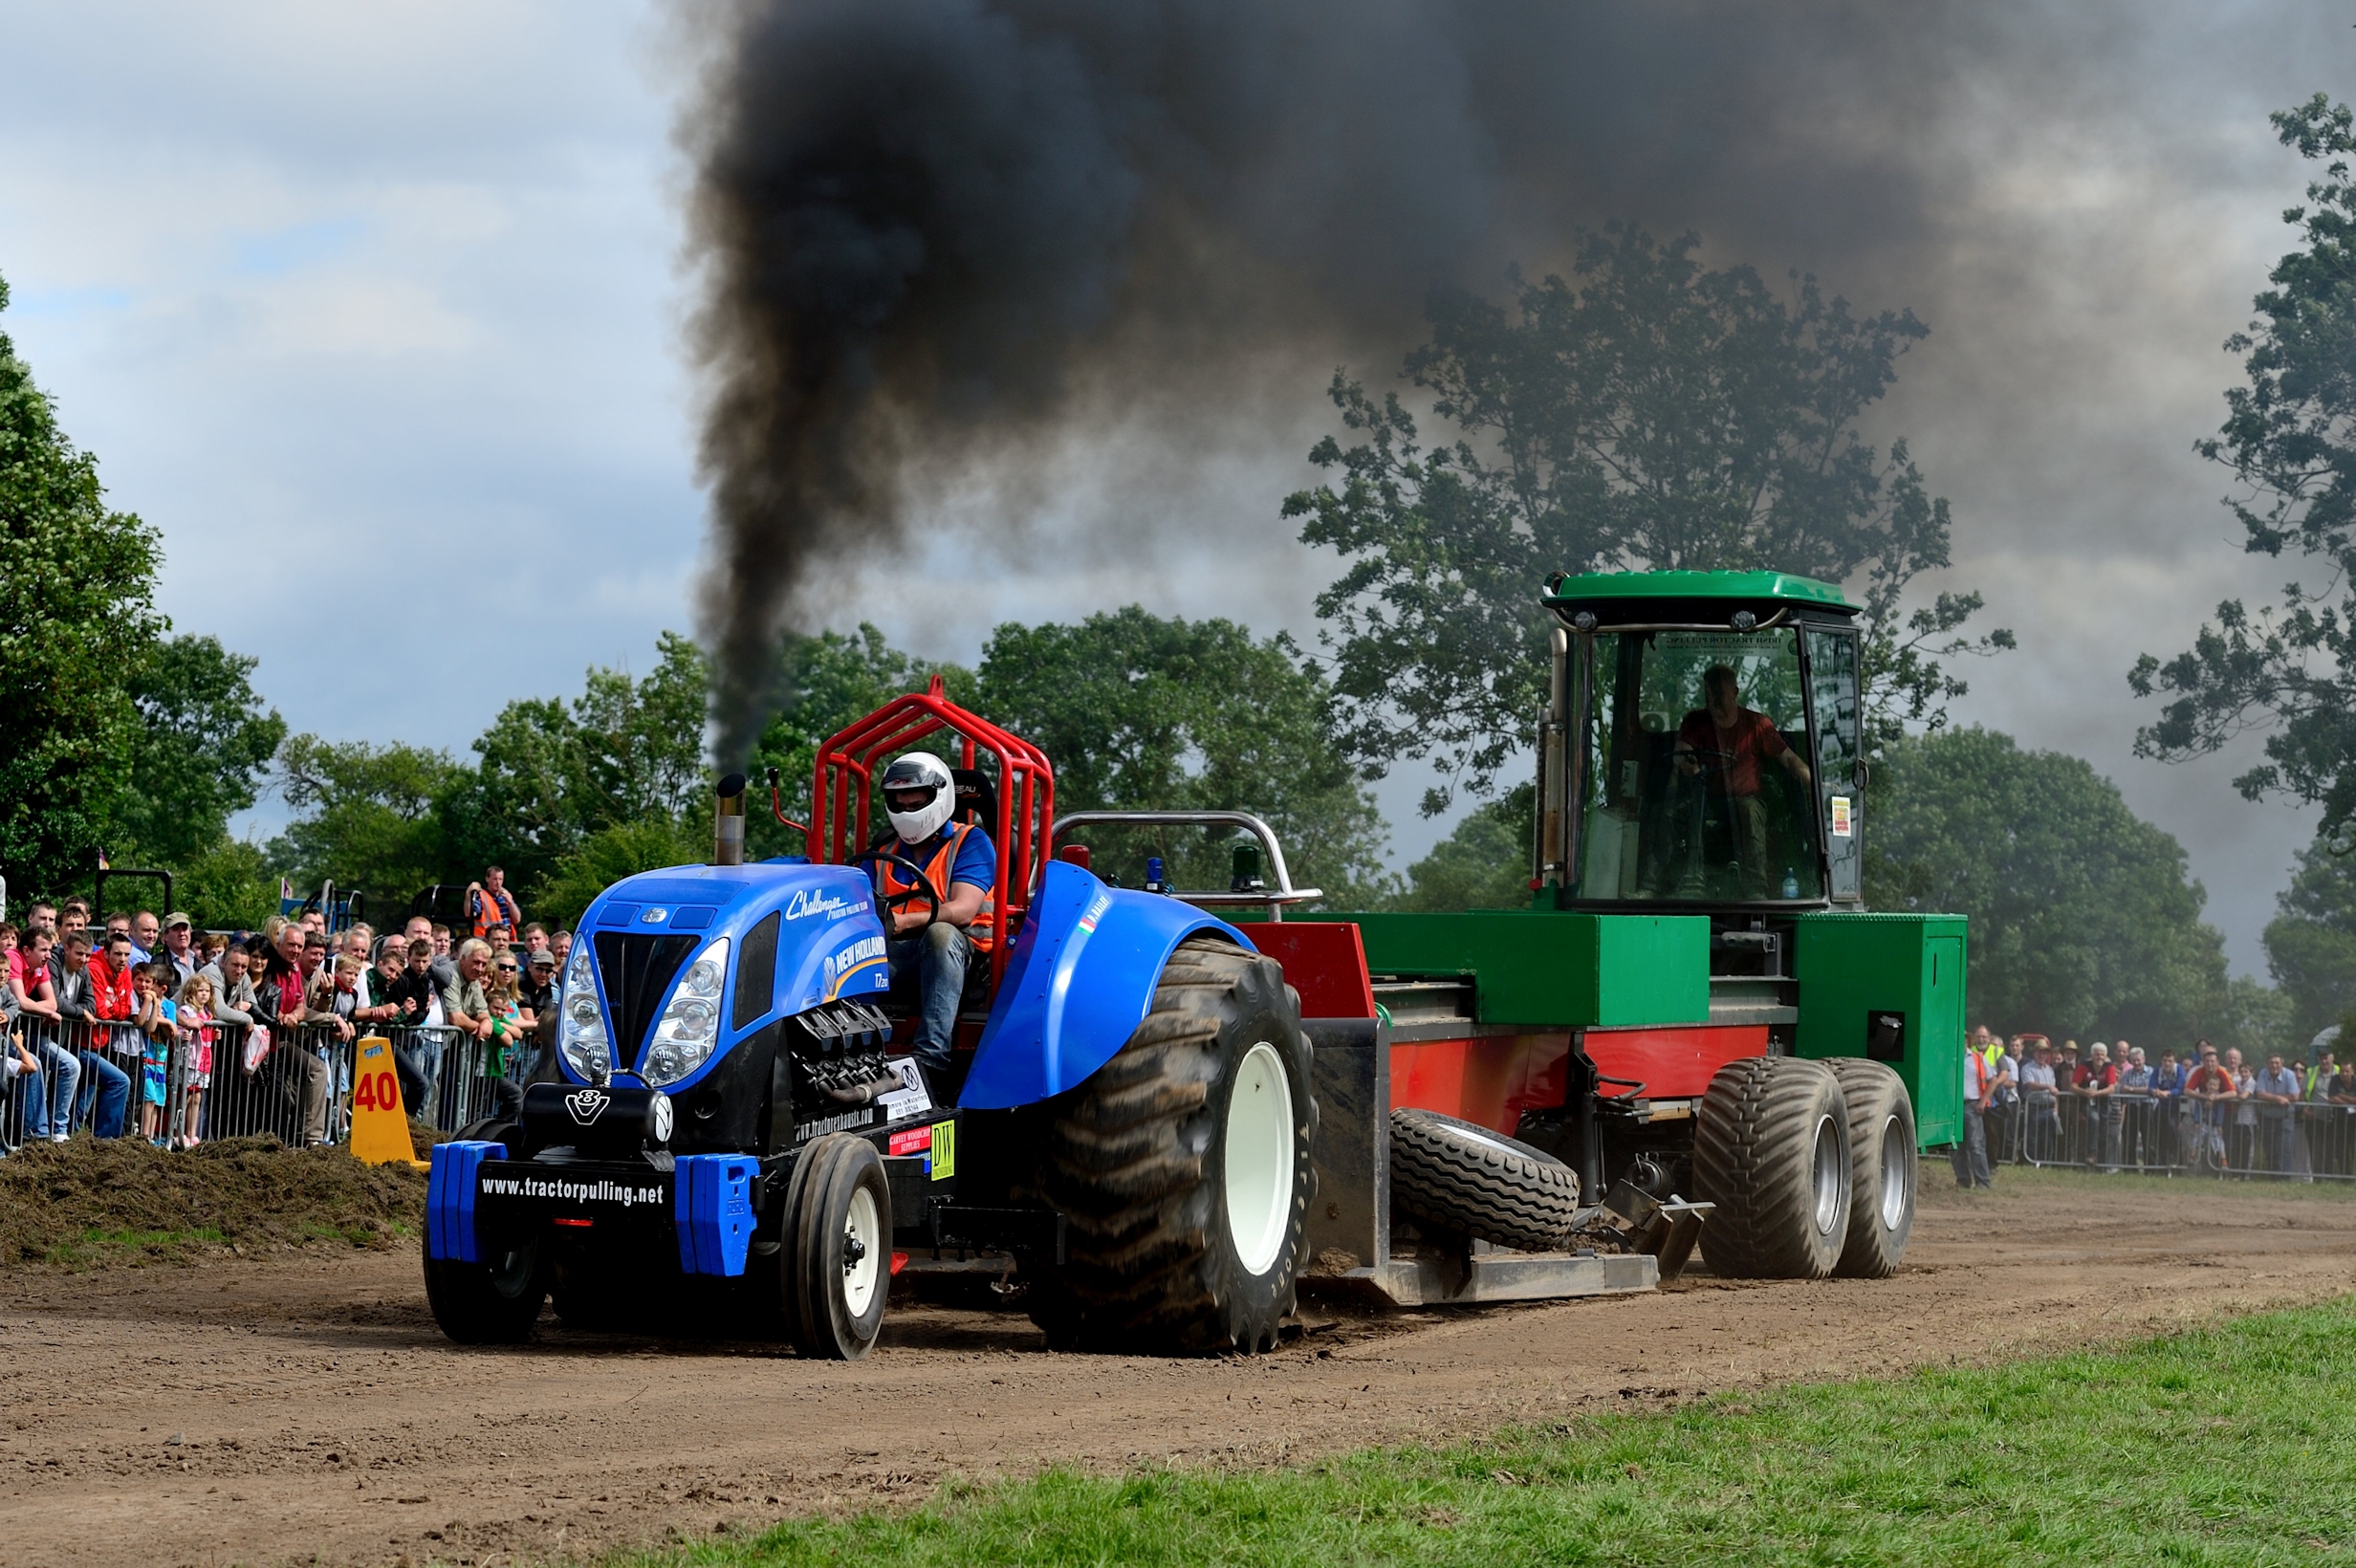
<point x="97" y="1246"/>
<point x="2234" y="1444"/>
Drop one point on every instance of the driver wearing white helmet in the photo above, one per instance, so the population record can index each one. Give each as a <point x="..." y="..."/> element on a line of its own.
<point x="935" y="877"/>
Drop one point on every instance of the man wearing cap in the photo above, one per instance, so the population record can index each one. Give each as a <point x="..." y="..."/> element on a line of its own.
<point x="935" y="877"/>
<point x="2041" y="1137"/>
<point x="180" y="948"/>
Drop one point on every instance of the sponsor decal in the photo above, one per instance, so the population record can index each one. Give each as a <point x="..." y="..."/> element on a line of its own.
<point x="844" y="1123"/>
<point x="867" y="952"/>
<point x="943" y="1150"/>
<point x="805" y="904"/>
<point x="564" y="1189"/>
<point x="914" y="1141"/>
<point x="1095" y="912"/>
<point x="1840" y="818"/>
<point x="911" y="1098"/>
<point x="587" y="1105"/>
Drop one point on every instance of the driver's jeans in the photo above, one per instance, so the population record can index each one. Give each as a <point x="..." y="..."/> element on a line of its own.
<point x="1747" y="814"/>
<point x="934" y="962"/>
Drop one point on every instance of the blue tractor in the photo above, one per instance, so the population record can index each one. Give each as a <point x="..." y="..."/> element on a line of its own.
<point x="734" y="1143"/>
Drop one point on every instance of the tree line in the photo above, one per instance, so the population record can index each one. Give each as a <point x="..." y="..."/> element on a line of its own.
<point x="1644" y="410"/>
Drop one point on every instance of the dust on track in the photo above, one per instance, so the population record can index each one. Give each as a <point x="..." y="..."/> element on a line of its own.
<point x="245" y="1410"/>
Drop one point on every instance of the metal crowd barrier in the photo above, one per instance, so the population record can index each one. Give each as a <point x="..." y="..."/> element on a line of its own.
<point x="2176" y="1135"/>
<point x="223" y="1083"/>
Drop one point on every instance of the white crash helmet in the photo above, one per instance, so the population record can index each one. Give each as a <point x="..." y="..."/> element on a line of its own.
<point x="920" y="770"/>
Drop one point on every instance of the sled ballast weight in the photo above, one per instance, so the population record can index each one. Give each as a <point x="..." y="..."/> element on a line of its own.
<point x="1167" y="1123"/>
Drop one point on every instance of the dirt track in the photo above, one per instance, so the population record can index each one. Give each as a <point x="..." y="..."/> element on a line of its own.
<point x="259" y="1411"/>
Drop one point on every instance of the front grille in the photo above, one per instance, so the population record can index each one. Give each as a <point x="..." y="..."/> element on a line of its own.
<point x="637" y="971"/>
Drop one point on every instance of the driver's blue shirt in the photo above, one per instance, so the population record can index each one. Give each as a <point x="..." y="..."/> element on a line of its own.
<point x="977" y="861"/>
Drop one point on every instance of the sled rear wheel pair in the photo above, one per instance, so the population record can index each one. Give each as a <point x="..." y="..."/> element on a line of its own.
<point x="1811" y="1165"/>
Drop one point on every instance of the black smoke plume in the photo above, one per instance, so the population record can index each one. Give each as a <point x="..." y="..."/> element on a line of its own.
<point x="934" y="233"/>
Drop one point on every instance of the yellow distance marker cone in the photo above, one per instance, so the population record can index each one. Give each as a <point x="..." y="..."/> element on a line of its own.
<point x="379" y="1124"/>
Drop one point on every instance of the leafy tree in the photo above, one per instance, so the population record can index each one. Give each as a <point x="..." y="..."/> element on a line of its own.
<point x="1646" y="413"/>
<point x="602" y="858"/>
<point x="2290" y="440"/>
<point x="204" y="745"/>
<point x="1139" y="713"/>
<point x="369" y="817"/>
<point x="2311" y="942"/>
<point x="829" y="682"/>
<point x="76" y="615"/>
<point x="550" y="775"/>
<point x="1484" y="864"/>
<point x="2083" y="921"/>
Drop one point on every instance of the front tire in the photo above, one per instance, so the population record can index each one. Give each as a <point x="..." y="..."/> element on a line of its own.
<point x="493" y="1302"/>
<point x="1183" y="1168"/>
<point x="1771" y="1149"/>
<point x="838" y="1236"/>
<point x="1883" y="1167"/>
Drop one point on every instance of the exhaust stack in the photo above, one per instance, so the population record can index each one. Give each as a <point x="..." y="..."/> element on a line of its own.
<point x="727" y="826"/>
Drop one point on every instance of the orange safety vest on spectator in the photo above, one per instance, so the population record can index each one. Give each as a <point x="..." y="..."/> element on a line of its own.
<point x="983" y="931"/>
<point x="489" y="908"/>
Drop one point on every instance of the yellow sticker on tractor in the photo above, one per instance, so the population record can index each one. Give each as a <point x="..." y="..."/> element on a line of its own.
<point x="943" y="1149"/>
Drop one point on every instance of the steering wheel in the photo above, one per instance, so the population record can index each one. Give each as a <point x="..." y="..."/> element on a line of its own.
<point x="889" y="906"/>
<point x="1707" y="760"/>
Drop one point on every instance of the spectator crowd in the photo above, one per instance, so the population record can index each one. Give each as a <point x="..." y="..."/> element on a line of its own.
<point x="154" y="1028"/>
<point x="2111" y="1107"/>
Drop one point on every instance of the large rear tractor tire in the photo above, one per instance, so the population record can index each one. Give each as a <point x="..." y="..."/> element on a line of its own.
<point x="837" y="1249"/>
<point x="1182" y="1167"/>
<point x="1460" y="1176"/>
<point x="493" y="1302"/>
<point x="1882" y="1167"/>
<point x="1771" y="1149"/>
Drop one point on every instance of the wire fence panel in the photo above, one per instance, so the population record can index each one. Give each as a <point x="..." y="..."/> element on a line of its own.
<point x="2175" y="1135"/>
<point x="232" y="1081"/>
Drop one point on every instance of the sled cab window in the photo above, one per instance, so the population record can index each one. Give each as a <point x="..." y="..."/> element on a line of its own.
<point x="1698" y="782"/>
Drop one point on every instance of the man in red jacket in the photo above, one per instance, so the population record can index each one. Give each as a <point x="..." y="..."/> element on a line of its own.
<point x="112" y="997"/>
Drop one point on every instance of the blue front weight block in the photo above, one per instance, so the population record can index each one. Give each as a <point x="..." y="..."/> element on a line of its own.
<point x="449" y="1199"/>
<point x="711" y="1203"/>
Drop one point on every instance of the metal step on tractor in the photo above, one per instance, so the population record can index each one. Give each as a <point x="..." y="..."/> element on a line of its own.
<point x="1169" y="1123"/>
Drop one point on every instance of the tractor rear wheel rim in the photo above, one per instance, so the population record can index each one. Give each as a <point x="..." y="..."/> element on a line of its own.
<point x="1258" y="1173"/>
<point x="859" y="1268"/>
<point x="1831" y="1163"/>
<point x="1896" y="1198"/>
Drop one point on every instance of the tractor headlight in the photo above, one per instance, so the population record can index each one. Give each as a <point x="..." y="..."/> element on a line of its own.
<point x="580" y="1033"/>
<point x="690" y="1027"/>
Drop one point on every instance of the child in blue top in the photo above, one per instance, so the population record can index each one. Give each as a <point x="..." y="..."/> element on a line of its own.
<point x="159" y="1023"/>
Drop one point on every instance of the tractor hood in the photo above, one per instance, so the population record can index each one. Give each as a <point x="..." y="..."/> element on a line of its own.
<point x="689" y="961"/>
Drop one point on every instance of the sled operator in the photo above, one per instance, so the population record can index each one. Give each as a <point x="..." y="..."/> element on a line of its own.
<point x="932" y="946"/>
<point x="1726" y="741"/>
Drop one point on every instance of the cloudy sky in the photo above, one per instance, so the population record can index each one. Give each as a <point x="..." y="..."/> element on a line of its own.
<point x="378" y="314"/>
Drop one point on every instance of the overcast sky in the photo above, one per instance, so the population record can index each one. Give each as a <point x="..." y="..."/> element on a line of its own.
<point x="377" y="313"/>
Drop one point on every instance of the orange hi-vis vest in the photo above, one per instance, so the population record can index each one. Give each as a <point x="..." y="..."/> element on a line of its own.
<point x="983" y="930"/>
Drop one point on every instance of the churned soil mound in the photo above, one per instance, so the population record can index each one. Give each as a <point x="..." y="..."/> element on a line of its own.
<point x="94" y="1202"/>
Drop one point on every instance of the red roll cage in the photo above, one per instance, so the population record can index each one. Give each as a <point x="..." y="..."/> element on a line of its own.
<point x="843" y="787"/>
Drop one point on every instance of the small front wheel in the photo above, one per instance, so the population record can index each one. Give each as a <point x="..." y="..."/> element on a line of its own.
<point x="837" y="1241"/>
<point x="492" y="1302"/>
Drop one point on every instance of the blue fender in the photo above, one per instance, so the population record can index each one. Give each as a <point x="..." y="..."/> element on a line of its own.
<point x="1079" y="982"/>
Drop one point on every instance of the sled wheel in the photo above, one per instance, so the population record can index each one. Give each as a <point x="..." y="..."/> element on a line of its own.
<point x="1461" y="1176"/>
<point x="1771" y="1149"/>
<point x="1182" y="1167"/>
<point x="840" y="1245"/>
<point x="1881" y="1165"/>
<point x="492" y="1302"/>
